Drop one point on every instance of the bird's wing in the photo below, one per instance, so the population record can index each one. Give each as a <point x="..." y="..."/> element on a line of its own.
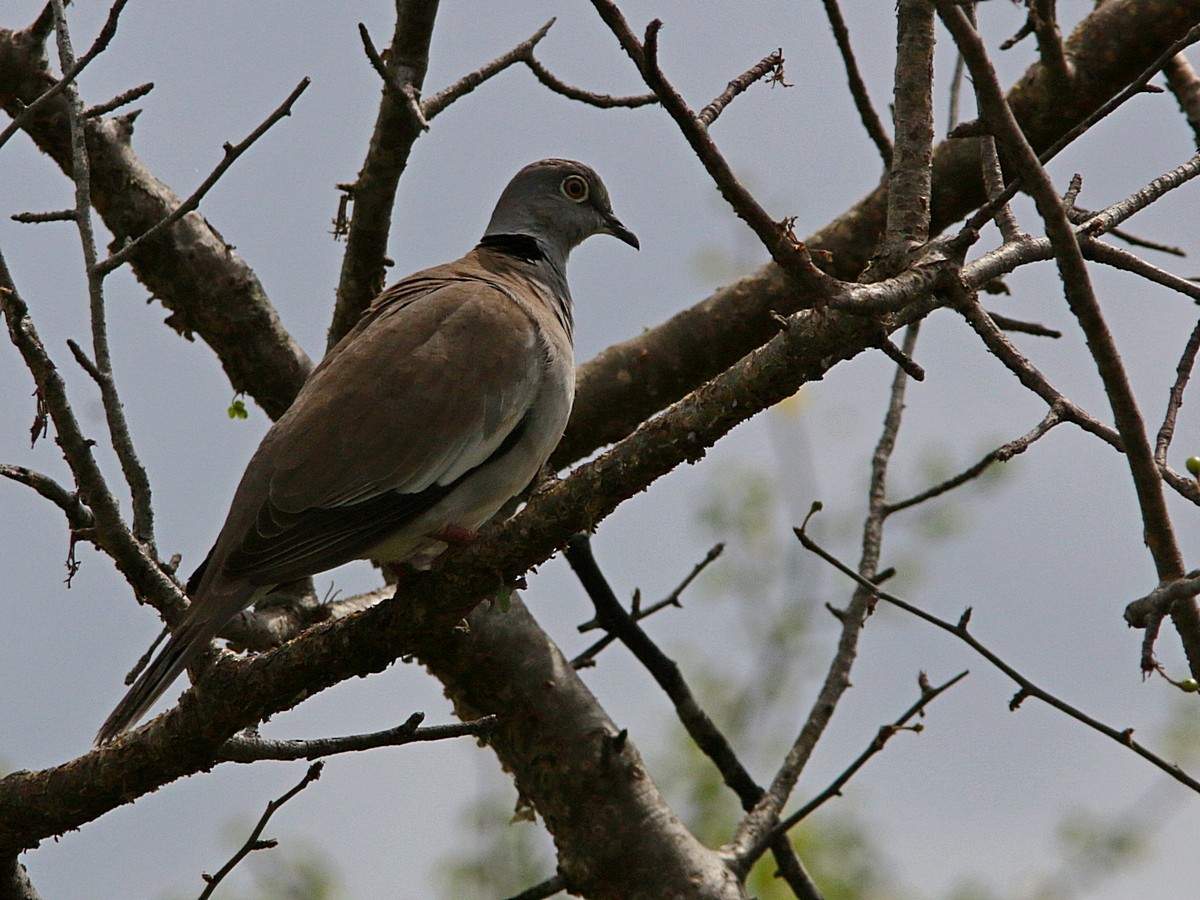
<point x="431" y="386"/>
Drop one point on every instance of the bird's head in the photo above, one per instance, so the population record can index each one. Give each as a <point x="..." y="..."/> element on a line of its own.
<point x="559" y="203"/>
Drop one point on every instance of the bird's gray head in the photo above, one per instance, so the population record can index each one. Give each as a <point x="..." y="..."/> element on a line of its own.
<point x="559" y="203"/>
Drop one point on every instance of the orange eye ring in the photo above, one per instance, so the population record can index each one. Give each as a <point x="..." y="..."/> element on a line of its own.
<point x="575" y="188"/>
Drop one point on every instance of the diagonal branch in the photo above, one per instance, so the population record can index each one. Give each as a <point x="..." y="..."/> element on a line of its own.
<point x="788" y="253"/>
<point x="885" y="734"/>
<point x="665" y="671"/>
<point x="71" y="72"/>
<point x="232" y="152"/>
<point x="858" y="87"/>
<point x="1026" y="687"/>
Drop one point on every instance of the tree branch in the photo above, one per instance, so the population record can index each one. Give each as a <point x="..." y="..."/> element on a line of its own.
<point x="242" y="749"/>
<point x="374" y="190"/>
<point x="1026" y="687"/>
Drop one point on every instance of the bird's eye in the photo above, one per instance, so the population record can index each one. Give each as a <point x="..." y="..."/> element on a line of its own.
<point x="574" y="187"/>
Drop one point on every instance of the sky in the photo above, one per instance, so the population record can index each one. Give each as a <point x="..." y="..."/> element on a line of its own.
<point x="1047" y="555"/>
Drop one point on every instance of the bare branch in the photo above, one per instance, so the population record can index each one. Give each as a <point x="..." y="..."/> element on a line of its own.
<point x="410" y="94"/>
<point x="702" y="730"/>
<point x="134" y="93"/>
<point x="858" y="87"/>
<point x="32" y="218"/>
<point x="1001" y="454"/>
<point x="588" y="656"/>
<point x="1185" y="85"/>
<point x="1105" y="220"/>
<point x="107" y="31"/>
<point x="790" y="254"/>
<point x="1133" y="89"/>
<point x="1026" y="687"/>
<point x="143" y="572"/>
<point x="1123" y="259"/>
<point x="253" y="843"/>
<point x="761" y="820"/>
<point x="1159" y="534"/>
<point x="910" y="175"/>
<point x="885" y="734"/>
<point x="433" y="105"/>
<point x="232" y="152"/>
<point x="79" y="517"/>
<point x="374" y="189"/>
<point x="243" y="749"/>
<point x="102" y="371"/>
<point x="771" y="65"/>
<point x="1183" y="372"/>
<point x="603" y="101"/>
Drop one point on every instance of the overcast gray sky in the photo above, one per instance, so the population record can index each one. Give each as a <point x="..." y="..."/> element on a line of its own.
<point x="1048" y="557"/>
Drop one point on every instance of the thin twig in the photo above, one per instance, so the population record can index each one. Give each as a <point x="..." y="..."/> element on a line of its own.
<point x="1035" y="328"/>
<point x="110" y="533"/>
<point x="364" y="262"/>
<point x="1026" y="687"/>
<point x="1183" y="372"/>
<point x="242" y="749"/>
<point x="102" y="370"/>
<point x="702" y="730"/>
<point x="434" y="104"/>
<point x="406" y="90"/>
<point x="1107" y="219"/>
<point x="993" y="181"/>
<point x="79" y="517"/>
<point x="232" y="152"/>
<point x="858" y="87"/>
<point x="672" y="599"/>
<point x="885" y="733"/>
<point x="1129" y="262"/>
<point x="1002" y="453"/>
<point x="591" y="98"/>
<point x="134" y="93"/>
<point x="751" y="831"/>
<point x="32" y="218"/>
<point x="789" y="253"/>
<point x="107" y="31"/>
<point x="252" y="842"/>
<point x="771" y="64"/>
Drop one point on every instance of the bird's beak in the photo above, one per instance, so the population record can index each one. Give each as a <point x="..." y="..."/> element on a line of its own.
<point x="620" y="232"/>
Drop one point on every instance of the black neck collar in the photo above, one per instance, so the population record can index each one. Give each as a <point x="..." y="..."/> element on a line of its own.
<point x="521" y="246"/>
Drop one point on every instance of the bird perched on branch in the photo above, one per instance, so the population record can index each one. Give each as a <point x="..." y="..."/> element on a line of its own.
<point x="440" y="405"/>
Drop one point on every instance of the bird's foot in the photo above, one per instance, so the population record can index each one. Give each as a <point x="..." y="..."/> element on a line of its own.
<point x="455" y="536"/>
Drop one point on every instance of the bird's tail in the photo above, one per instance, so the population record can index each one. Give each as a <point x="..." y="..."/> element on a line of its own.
<point x="189" y="640"/>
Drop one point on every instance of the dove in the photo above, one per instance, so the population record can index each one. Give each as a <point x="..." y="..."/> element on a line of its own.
<point x="436" y="409"/>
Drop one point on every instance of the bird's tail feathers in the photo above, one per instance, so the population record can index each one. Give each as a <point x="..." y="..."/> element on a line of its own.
<point x="189" y="640"/>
